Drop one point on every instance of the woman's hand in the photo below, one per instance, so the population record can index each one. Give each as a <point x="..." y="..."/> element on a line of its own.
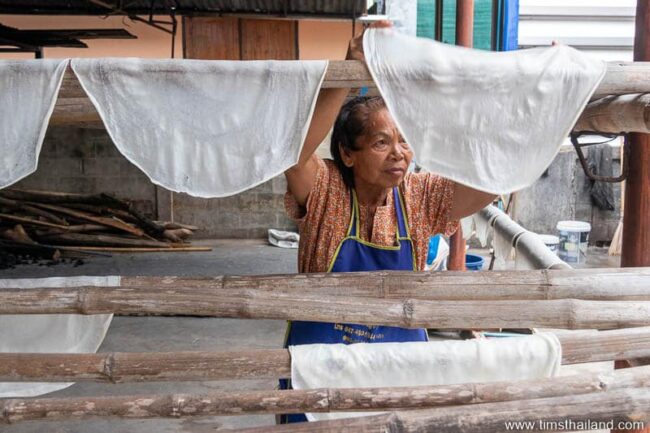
<point x="355" y="48"/>
<point x="302" y="176"/>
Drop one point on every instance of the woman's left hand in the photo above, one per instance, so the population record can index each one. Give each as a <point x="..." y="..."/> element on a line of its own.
<point x="355" y="48"/>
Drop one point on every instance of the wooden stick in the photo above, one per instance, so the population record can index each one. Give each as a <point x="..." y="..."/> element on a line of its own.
<point x="145" y="250"/>
<point x="406" y="313"/>
<point x="103" y="210"/>
<point x="77" y="228"/>
<point x="624" y="78"/>
<point x="109" y="222"/>
<point x="116" y="367"/>
<point x="17" y="205"/>
<point x="31" y="221"/>
<point x="627" y="284"/>
<point x="409" y="312"/>
<point x="616" y="114"/>
<point x="625" y="405"/>
<point x="621" y="78"/>
<point x="52" y="197"/>
<point x="102" y="240"/>
<point x="316" y="400"/>
<point x="93" y="199"/>
<point x="620" y="284"/>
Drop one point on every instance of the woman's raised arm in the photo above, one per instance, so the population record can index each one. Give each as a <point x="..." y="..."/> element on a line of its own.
<point x="301" y="177"/>
<point x="468" y="201"/>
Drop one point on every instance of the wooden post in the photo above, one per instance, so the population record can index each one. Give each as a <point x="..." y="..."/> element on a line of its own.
<point x="464" y="37"/>
<point x="465" y="23"/>
<point x="636" y="215"/>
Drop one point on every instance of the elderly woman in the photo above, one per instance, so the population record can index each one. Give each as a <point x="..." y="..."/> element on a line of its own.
<point x="362" y="210"/>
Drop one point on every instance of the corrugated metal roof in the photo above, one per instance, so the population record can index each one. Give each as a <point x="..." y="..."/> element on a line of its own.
<point x="342" y="8"/>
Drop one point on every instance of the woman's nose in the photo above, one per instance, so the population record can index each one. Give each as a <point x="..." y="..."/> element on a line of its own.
<point x="397" y="150"/>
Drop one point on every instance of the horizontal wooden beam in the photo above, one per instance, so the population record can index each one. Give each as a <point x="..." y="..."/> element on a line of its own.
<point x="625" y="405"/>
<point x="404" y="311"/>
<point x="616" y="114"/>
<point x="621" y="78"/>
<point x="594" y="284"/>
<point x="119" y="367"/>
<point x="315" y="400"/>
<point x="607" y="284"/>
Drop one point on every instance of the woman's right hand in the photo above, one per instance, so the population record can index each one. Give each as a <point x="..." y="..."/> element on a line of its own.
<point x="355" y="48"/>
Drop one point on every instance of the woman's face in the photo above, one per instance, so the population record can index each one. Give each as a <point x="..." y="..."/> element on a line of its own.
<point x="382" y="157"/>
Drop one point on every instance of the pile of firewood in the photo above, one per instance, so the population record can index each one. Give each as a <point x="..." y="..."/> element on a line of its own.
<point x="50" y="224"/>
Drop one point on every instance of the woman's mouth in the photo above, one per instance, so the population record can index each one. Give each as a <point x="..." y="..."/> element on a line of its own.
<point x="396" y="171"/>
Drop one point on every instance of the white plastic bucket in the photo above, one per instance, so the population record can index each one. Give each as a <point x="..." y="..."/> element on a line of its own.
<point x="551" y="241"/>
<point x="574" y="237"/>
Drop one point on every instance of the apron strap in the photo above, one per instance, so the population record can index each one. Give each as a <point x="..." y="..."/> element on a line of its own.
<point x="402" y="224"/>
<point x="353" y="228"/>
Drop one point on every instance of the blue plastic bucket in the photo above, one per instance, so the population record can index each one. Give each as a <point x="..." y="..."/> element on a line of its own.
<point x="473" y="262"/>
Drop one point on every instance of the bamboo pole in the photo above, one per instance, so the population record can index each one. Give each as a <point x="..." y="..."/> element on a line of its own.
<point x="73" y="106"/>
<point x="616" y="114"/>
<point x="615" y="284"/>
<point x="577" y="347"/>
<point x="620" y="78"/>
<point x="406" y="313"/>
<point x="627" y="405"/>
<point x="316" y="400"/>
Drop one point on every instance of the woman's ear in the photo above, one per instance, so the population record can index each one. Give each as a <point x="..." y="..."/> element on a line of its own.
<point x="347" y="159"/>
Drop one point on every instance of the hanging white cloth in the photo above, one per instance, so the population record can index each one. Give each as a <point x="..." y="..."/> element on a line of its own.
<point x="502" y="242"/>
<point x="422" y="363"/>
<point x="57" y="333"/>
<point x="206" y="128"/>
<point x="467" y="226"/>
<point x="483" y="228"/>
<point x="491" y="121"/>
<point x="28" y="91"/>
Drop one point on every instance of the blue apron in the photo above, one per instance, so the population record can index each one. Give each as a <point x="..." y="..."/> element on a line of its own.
<point x="354" y="255"/>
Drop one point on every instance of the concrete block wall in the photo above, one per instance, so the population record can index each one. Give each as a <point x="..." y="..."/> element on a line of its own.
<point x="246" y="215"/>
<point x="563" y="194"/>
<point x="80" y="160"/>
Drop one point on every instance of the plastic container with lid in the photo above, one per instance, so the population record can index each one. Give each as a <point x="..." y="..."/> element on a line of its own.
<point x="574" y="238"/>
<point x="551" y="241"/>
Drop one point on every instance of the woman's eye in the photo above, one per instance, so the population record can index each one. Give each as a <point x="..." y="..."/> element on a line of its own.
<point x="381" y="143"/>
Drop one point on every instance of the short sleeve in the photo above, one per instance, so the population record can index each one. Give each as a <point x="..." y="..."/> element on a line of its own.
<point x="432" y="198"/>
<point x="297" y="212"/>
